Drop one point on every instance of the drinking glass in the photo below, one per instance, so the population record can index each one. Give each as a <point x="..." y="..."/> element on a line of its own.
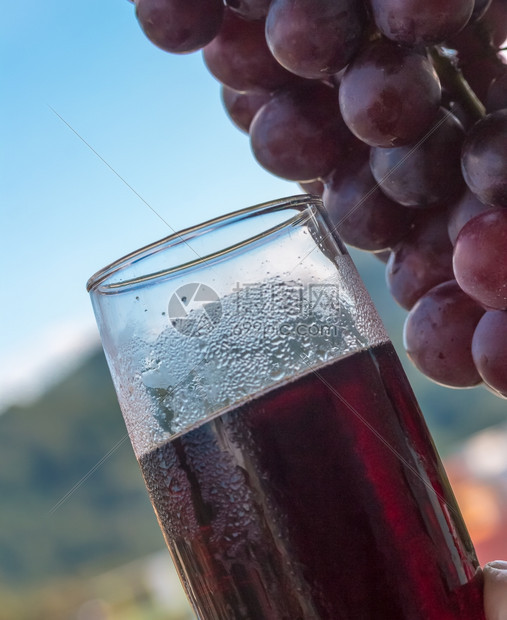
<point x="288" y="463"/>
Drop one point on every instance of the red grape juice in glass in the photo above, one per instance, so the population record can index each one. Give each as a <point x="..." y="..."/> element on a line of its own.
<point x="286" y="458"/>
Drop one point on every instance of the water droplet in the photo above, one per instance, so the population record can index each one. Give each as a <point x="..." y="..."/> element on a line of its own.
<point x="277" y="373"/>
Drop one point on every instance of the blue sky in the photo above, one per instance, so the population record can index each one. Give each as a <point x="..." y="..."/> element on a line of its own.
<point x="158" y="122"/>
<point x="155" y="118"/>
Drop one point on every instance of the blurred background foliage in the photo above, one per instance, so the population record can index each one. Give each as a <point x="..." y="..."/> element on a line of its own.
<point x="78" y="537"/>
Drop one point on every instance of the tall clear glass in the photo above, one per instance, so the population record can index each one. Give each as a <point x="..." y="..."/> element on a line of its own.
<point x="285" y="455"/>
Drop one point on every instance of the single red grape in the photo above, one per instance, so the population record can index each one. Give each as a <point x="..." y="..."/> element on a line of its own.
<point x="361" y="214"/>
<point x="180" y="26"/>
<point x="416" y="22"/>
<point x="425" y="173"/>
<point x="480" y="258"/>
<point x="438" y="335"/>
<point x="489" y="350"/>
<point x="421" y="260"/>
<point x="484" y="159"/>
<point x="299" y="134"/>
<point x="240" y="58"/>
<point x="389" y="95"/>
<point x="314" y="38"/>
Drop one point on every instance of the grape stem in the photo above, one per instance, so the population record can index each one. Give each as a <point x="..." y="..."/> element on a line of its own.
<point x="453" y="81"/>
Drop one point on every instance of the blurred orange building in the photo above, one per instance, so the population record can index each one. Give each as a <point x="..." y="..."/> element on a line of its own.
<point x="478" y="474"/>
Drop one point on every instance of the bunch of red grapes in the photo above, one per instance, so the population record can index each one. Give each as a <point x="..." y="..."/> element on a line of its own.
<point x="395" y="112"/>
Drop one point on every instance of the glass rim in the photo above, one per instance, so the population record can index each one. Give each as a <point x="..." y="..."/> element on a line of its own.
<point x="300" y="202"/>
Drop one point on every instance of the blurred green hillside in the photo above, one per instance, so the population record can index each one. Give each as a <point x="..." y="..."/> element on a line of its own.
<point x="48" y="525"/>
<point x="72" y="500"/>
<point x="66" y="512"/>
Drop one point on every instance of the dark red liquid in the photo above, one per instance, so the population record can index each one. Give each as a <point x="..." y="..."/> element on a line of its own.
<point x="323" y="498"/>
